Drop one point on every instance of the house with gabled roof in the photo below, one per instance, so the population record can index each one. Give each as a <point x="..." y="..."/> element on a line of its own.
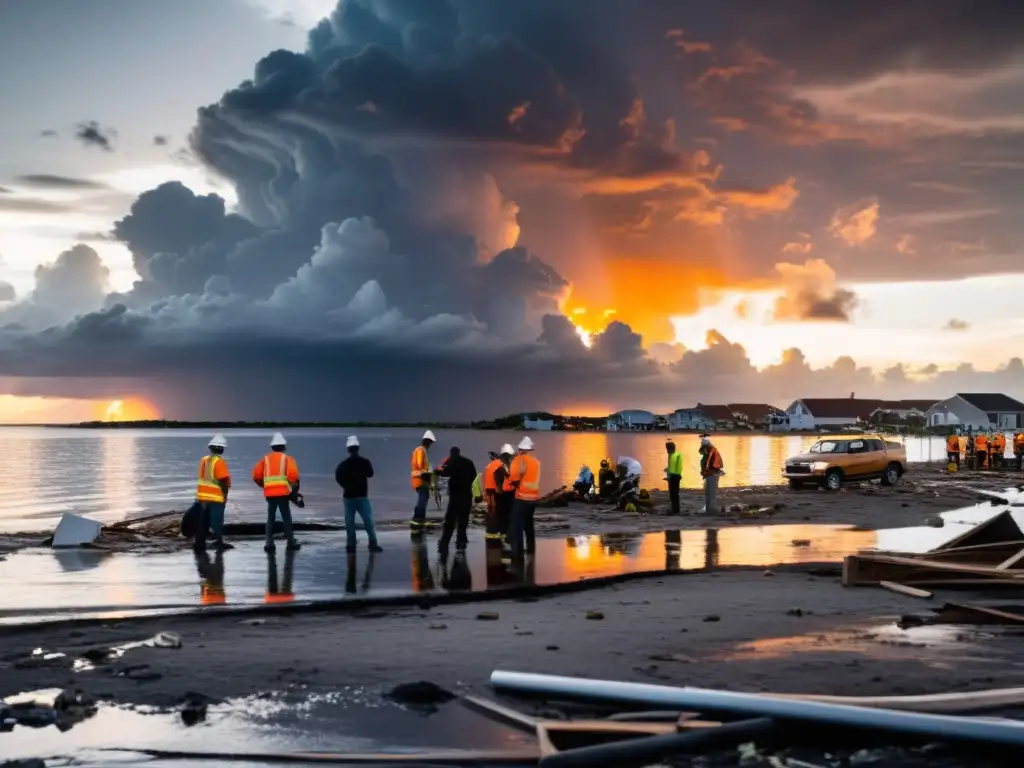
<point x="817" y="412"/>
<point x="986" y="410"/>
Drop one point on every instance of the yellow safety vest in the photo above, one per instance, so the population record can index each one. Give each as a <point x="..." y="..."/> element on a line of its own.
<point x="208" y="488"/>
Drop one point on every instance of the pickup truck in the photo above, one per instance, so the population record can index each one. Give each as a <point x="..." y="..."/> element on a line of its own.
<point x="833" y="461"/>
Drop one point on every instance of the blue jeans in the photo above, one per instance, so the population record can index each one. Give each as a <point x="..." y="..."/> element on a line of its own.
<point x="419" y="512"/>
<point x="213" y="517"/>
<point x="520" y="526"/>
<point x="275" y="505"/>
<point x="362" y="508"/>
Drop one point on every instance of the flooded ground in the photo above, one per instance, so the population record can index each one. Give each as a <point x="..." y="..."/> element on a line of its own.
<point x="114" y="474"/>
<point x="346" y="720"/>
<point x="72" y="582"/>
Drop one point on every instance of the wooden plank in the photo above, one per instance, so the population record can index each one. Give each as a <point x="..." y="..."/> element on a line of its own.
<point x="976" y="554"/>
<point x="552" y="732"/>
<point x="961" y="583"/>
<point x="501" y="713"/>
<point x="865" y="569"/>
<point x="1010" y="562"/>
<point x="935" y="703"/>
<point x="902" y="589"/>
<point x="998" y="528"/>
<point x="968" y="613"/>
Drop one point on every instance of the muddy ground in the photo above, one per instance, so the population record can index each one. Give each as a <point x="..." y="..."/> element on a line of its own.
<point x="787" y="632"/>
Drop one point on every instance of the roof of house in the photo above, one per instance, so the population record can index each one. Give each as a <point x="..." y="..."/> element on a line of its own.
<point x="755" y="412"/>
<point x="717" y="412"/>
<point x="841" y="407"/>
<point x="992" y="402"/>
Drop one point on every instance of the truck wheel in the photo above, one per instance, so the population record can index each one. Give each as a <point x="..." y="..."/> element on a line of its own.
<point x="891" y="475"/>
<point x="796" y="485"/>
<point x="833" y="480"/>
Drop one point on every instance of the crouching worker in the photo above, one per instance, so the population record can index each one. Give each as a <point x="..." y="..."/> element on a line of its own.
<point x="584" y="484"/>
<point x="607" y="481"/>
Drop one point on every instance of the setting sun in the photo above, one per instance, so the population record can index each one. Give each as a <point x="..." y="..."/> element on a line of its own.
<point x="131" y="409"/>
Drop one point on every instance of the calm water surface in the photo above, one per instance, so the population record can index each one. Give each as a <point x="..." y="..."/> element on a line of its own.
<point x="109" y="475"/>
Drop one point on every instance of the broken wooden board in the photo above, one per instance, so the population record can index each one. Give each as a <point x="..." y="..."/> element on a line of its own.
<point x="501" y="713"/>
<point x="1010" y="562"/>
<point x="868" y="569"/>
<point x="936" y="583"/>
<point x="558" y="735"/>
<point x="969" y="613"/>
<point x="997" y="529"/>
<point x="934" y="703"/>
<point x="903" y="589"/>
<point x="978" y="554"/>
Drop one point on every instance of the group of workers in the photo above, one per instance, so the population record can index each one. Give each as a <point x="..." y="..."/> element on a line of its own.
<point x="621" y="485"/>
<point x="983" y="450"/>
<point x="509" y="487"/>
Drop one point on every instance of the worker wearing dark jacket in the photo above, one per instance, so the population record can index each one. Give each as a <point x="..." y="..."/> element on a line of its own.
<point x="461" y="474"/>
<point x="353" y="475"/>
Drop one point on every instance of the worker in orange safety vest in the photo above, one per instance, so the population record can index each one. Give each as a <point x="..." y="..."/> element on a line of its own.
<point x="981" y="449"/>
<point x="524" y="478"/>
<point x="1018" y="449"/>
<point x="953" y="449"/>
<point x="278" y="475"/>
<point x="997" y="449"/>
<point x="494" y="480"/>
<point x="212" y="485"/>
<point x="710" y="470"/>
<point x="421" y="476"/>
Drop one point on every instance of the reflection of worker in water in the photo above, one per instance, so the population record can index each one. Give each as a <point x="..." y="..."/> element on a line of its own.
<point x="497" y="574"/>
<point x="422" y="579"/>
<point x="711" y="549"/>
<point x="211" y="588"/>
<point x="673" y="549"/>
<point x="458" y="578"/>
<point x="280" y="592"/>
<point x="350" y="577"/>
<point x="524" y="571"/>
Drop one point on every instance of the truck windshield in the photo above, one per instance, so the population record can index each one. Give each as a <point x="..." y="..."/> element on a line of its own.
<point x="829" y="446"/>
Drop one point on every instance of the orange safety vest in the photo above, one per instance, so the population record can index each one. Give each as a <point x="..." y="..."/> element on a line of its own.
<point x="980" y="443"/>
<point x="953" y="444"/>
<point x="490" y="482"/>
<point x="207" y="488"/>
<point x="713" y="462"/>
<point x="525" y="477"/>
<point x="1018" y="442"/>
<point x="420" y="465"/>
<point x="275" y="475"/>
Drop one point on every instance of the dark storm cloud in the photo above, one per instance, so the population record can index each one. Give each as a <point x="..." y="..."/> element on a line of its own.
<point x="92" y="134"/>
<point x="50" y="181"/>
<point x="373" y="269"/>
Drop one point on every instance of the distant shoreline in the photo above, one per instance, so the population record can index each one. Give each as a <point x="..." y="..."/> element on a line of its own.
<point x="478" y="427"/>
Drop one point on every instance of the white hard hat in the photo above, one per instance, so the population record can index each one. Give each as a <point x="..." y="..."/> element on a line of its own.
<point x="506" y="450"/>
<point x="526" y="444"/>
<point x="218" y="441"/>
<point x="278" y="439"/>
<point x="428" y="435"/>
<point x="352" y="442"/>
<point x="705" y="441"/>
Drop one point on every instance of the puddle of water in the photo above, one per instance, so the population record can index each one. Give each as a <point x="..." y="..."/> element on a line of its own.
<point x="115" y="583"/>
<point x="349" y="720"/>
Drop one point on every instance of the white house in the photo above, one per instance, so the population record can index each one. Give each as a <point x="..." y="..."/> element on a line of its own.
<point x="814" y="413"/>
<point x="543" y="425"/>
<point x="977" y="411"/>
<point x="631" y="420"/>
<point x="689" y="418"/>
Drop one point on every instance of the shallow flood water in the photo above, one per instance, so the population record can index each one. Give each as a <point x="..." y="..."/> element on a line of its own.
<point x="117" y="473"/>
<point x="348" y="720"/>
<point x="65" y="583"/>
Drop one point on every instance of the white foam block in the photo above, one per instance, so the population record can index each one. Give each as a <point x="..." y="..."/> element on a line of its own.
<point x="74" y="531"/>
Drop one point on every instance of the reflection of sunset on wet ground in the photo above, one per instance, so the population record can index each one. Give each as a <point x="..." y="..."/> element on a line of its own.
<point x="88" y="579"/>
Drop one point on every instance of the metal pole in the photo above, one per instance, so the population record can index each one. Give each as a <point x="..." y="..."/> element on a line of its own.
<point x="942" y="727"/>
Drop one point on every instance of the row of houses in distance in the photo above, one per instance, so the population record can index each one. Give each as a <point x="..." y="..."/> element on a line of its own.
<point x="960" y="411"/>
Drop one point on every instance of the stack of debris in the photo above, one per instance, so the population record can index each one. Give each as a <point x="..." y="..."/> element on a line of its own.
<point x="990" y="556"/>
